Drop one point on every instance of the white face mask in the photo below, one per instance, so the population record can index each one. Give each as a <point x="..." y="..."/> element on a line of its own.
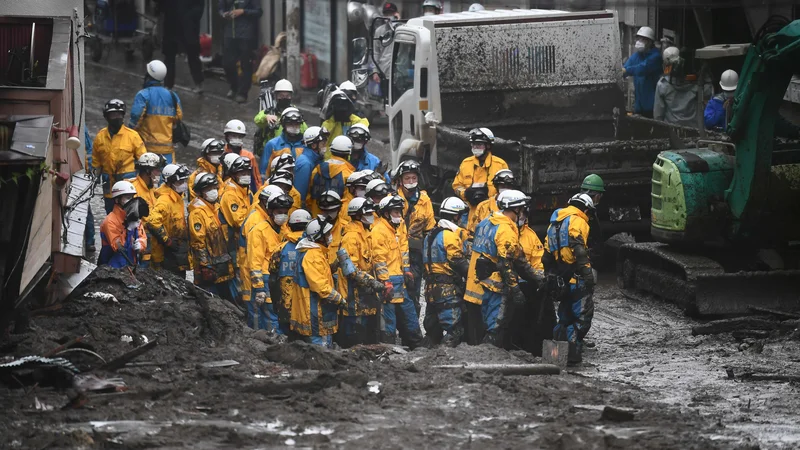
<point x="429" y="13"/>
<point x="639" y="46"/>
<point x="293" y="130"/>
<point x="410" y="186"/>
<point x="322" y="149"/>
<point x="331" y="214"/>
<point x="358" y="145"/>
<point x="361" y="193"/>
<point x="213" y="159"/>
<point x="181" y="188"/>
<point x="369" y="219"/>
<point x="396" y="220"/>
<point x="235" y="142"/>
<point x="244" y="180"/>
<point x="212" y="195"/>
<point x="328" y="239"/>
<point x="280" y="219"/>
<point x="134" y="225"/>
<point x="477" y="152"/>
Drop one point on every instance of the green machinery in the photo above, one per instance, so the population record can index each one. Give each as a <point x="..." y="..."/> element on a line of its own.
<point x="726" y="217"/>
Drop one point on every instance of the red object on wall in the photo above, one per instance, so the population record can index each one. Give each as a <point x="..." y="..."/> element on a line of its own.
<point x="308" y="71"/>
<point x="205" y="45"/>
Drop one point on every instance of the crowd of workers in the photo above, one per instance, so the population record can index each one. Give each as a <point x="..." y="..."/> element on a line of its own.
<point x="313" y="243"/>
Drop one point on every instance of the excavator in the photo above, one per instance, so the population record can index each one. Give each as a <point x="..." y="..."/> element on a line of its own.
<point x="725" y="216"/>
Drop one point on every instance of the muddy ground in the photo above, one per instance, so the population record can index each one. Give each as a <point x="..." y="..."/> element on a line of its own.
<point x="284" y="395"/>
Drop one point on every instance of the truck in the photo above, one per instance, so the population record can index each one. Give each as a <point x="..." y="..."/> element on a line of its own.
<point x="549" y="85"/>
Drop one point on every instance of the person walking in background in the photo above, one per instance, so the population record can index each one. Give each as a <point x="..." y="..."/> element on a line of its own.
<point x="182" y="31"/>
<point x="155" y="110"/>
<point x="240" y="39"/>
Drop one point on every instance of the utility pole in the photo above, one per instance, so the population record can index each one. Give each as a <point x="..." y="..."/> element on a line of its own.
<point x="293" y="44"/>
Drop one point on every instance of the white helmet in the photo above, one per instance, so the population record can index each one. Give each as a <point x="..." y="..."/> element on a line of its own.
<point x="358" y="178"/>
<point x="372" y="185"/>
<point x="435" y="3"/>
<point x="150" y="161"/>
<point x="647" y="32"/>
<point x="284" y="86"/>
<point x="157" y="70"/>
<point x="281" y="179"/>
<point x="583" y="199"/>
<point x="671" y="55"/>
<point x="475" y="7"/>
<point x="347" y="86"/>
<point x="512" y="199"/>
<point x="285" y="160"/>
<point x="314" y="134"/>
<point x="729" y="80"/>
<point x="228" y="160"/>
<point x="205" y="144"/>
<point x="300" y="216"/>
<point x="269" y="191"/>
<point x="318" y="228"/>
<point x="360" y="205"/>
<point x="453" y="205"/>
<point x="122" y="188"/>
<point x="235" y="126"/>
<point x="342" y="145"/>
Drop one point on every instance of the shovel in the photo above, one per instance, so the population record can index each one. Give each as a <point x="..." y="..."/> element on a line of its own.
<point x="131" y="267"/>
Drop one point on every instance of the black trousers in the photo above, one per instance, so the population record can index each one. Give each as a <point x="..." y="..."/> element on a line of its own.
<point x="241" y="51"/>
<point x="185" y="37"/>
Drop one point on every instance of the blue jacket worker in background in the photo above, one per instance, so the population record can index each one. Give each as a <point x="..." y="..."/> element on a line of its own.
<point x="645" y="68"/>
<point x="717" y="111"/>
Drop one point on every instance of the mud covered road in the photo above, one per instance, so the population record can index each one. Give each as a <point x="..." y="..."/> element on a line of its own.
<point x="294" y="395"/>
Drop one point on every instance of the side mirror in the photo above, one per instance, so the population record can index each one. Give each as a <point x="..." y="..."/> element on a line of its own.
<point x="359" y="49"/>
<point x="386" y="38"/>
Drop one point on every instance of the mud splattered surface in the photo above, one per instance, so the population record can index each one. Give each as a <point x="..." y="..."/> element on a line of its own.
<point x="382" y="397"/>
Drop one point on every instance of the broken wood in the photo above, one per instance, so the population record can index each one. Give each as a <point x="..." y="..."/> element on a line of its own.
<point x="617" y="414"/>
<point x="786" y="314"/>
<point x="506" y="369"/>
<point x="729" y="325"/>
<point x="119" y="362"/>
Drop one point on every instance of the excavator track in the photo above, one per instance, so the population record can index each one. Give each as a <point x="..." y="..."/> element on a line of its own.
<point x="699" y="284"/>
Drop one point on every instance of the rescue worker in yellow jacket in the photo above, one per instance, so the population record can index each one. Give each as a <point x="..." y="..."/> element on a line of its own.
<point x="235" y="204"/>
<point x="418" y="217"/>
<point x="256" y="215"/>
<point x="282" y="267"/>
<point x="330" y="205"/>
<point x="503" y="180"/>
<point x="355" y="187"/>
<point x="213" y="268"/>
<point x="391" y="265"/>
<point x="169" y="222"/>
<point x="446" y="267"/>
<point x="497" y="246"/>
<point x="473" y="182"/>
<point x="315" y="301"/>
<point x="148" y="168"/>
<point x="567" y="257"/>
<point x="154" y="112"/>
<point x="331" y="174"/>
<point x="377" y="190"/>
<point x="359" y="323"/>
<point x="283" y="180"/>
<point x="262" y="241"/>
<point x="115" y="150"/>
<point x="340" y="116"/>
<point x="210" y="161"/>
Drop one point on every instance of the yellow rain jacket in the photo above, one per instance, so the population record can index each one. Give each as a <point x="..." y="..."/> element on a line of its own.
<point x="115" y="157"/>
<point x="340" y="128"/>
<point x="284" y="260"/>
<point x="390" y="254"/>
<point x="203" y="165"/>
<point x="484" y="209"/>
<point x="495" y="237"/>
<point x="296" y="200"/>
<point x="168" y="221"/>
<point x="532" y="247"/>
<point x="234" y="206"/>
<point x="355" y="240"/>
<point x="578" y="230"/>
<point x="421" y="220"/>
<point x="149" y="197"/>
<point x="262" y="241"/>
<point x="208" y="244"/>
<point x="453" y="244"/>
<point x="153" y="113"/>
<point x="315" y="302"/>
<point x="471" y="171"/>
<point x="256" y="215"/>
<point x="331" y="174"/>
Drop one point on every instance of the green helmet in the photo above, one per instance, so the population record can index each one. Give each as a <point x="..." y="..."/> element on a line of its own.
<point x="593" y="182"/>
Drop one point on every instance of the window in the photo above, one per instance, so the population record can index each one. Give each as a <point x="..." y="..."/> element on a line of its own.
<point x="402" y="69"/>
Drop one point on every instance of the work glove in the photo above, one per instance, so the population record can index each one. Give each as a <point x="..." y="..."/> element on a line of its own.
<point x="137" y="246"/>
<point x="416" y="229"/>
<point x="408" y="277"/>
<point x="376" y="286"/>
<point x="208" y="274"/>
<point x="388" y="289"/>
<point x="261" y="298"/>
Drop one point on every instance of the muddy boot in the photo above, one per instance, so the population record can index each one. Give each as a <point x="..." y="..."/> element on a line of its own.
<point x="493" y="339"/>
<point x="451" y="339"/>
<point x="388" y="338"/>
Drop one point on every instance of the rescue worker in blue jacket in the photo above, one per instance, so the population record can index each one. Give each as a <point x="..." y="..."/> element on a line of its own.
<point x="719" y="108"/>
<point x="644" y="65"/>
<point x="360" y="157"/>
<point x="315" y="139"/>
<point x="290" y="141"/>
<point x="446" y="267"/>
<point x="566" y="259"/>
<point x="155" y="110"/>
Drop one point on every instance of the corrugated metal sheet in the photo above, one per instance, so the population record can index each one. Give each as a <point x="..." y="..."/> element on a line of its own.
<point x="80" y="191"/>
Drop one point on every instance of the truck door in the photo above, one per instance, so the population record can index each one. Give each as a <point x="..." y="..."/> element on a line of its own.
<point x="403" y="105"/>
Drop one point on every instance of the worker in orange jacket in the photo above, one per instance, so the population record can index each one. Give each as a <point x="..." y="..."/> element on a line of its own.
<point x="121" y="232"/>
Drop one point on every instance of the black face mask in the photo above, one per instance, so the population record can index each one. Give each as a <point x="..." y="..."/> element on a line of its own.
<point x="284" y="103"/>
<point x="114" y="125"/>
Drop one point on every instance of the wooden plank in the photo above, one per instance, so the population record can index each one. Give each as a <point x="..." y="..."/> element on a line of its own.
<point x="40" y="236"/>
